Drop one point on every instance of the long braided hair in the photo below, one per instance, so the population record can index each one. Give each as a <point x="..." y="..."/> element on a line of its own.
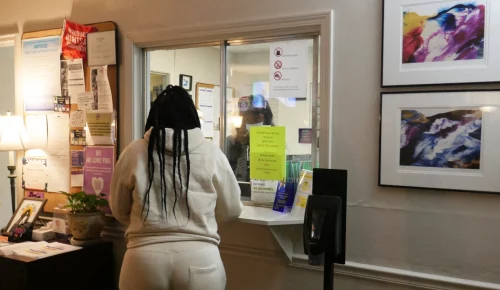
<point x="173" y="109"/>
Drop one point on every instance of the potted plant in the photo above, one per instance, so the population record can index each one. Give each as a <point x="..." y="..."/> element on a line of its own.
<point x="85" y="217"/>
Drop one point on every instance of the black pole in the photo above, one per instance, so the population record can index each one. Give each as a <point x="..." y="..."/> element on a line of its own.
<point x="12" y="176"/>
<point x="328" y="273"/>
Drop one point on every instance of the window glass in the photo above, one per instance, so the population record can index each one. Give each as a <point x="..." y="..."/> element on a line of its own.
<point x="252" y="101"/>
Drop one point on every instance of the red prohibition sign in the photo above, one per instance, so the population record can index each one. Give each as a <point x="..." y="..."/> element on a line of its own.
<point x="278" y="64"/>
<point x="278" y="52"/>
<point x="278" y="75"/>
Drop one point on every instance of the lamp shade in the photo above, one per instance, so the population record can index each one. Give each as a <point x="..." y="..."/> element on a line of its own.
<point x="13" y="136"/>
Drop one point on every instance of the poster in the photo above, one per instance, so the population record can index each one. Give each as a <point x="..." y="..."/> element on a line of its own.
<point x="62" y="104"/>
<point x="288" y="71"/>
<point x="58" y="159"/>
<point x="98" y="169"/>
<point x="77" y="158"/>
<point x="99" y="128"/>
<point x="101" y="90"/>
<point x="41" y="73"/>
<point x="206" y="105"/>
<point x="78" y="138"/>
<point x="305" y="136"/>
<point x="267" y="153"/>
<point x="74" y="40"/>
<point x="72" y="77"/>
<point x="35" y="173"/>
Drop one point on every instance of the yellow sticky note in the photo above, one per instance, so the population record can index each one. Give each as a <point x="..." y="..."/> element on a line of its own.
<point x="267" y="153"/>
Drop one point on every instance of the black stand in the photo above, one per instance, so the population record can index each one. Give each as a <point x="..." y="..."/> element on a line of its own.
<point x="12" y="176"/>
<point x="328" y="273"/>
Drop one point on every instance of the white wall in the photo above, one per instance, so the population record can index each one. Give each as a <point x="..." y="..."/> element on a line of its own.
<point x="7" y="102"/>
<point x="444" y="233"/>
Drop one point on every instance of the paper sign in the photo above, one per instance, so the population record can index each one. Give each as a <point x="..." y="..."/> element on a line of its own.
<point x="41" y="73"/>
<point x="102" y="48"/>
<point x="288" y="71"/>
<point x="98" y="169"/>
<point x="99" y="128"/>
<point x="85" y="101"/>
<point x="77" y="158"/>
<point x="34" y="173"/>
<point x="36" y="128"/>
<point x="72" y="77"/>
<point x="58" y="159"/>
<point x="267" y="153"/>
<point x="206" y="104"/>
<point x="305" y="136"/>
<point x="77" y="119"/>
<point x="76" y="177"/>
<point x="101" y="90"/>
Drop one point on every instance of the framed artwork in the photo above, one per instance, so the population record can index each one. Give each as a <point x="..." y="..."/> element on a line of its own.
<point x="26" y="214"/>
<point x="440" y="42"/>
<point x="186" y="82"/>
<point x="440" y="140"/>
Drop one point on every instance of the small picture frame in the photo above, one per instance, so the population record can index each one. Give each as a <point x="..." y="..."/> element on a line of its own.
<point x="186" y="82"/>
<point x="440" y="140"/>
<point x="26" y="214"/>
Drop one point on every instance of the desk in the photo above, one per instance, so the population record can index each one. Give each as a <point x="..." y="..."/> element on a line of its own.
<point x="85" y="269"/>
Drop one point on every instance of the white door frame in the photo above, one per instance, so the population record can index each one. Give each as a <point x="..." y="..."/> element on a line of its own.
<point x="132" y="82"/>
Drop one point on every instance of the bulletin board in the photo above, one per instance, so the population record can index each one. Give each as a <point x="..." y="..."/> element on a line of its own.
<point x="54" y="198"/>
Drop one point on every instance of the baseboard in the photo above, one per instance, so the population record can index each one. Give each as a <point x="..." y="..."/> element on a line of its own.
<point x="415" y="280"/>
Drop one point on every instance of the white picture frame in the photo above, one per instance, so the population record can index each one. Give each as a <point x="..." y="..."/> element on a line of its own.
<point x="403" y="64"/>
<point x="431" y="165"/>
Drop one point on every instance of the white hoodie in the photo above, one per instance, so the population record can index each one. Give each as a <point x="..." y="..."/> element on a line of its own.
<point x="213" y="194"/>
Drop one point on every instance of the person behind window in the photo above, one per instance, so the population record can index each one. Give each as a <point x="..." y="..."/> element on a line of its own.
<point x="254" y="111"/>
<point x="172" y="189"/>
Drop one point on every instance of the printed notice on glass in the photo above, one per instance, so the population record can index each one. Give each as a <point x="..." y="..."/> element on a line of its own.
<point x="288" y="71"/>
<point x="72" y="77"/>
<point x="41" y="69"/>
<point x="267" y="153"/>
<point x="101" y="48"/>
<point x="98" y="131"/>
<point x="101" y="90"/>
<point x="34" y="173"/>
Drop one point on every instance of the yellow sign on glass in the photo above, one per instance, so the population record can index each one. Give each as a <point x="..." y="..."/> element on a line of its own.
<point x="267" y="153"/>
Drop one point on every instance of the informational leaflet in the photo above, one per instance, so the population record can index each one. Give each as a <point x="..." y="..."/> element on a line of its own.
<point x="288" y="71"/>
<point x="36" y="129"/>
<point x="101" y="48"/>
<point x="84" y="101"/>
<point x="98" y="131"/>
<point x="267" y="153"/>
<point x="77" y="119"/>
<point x="41" y="73"/>
<point x="72" y="77"/>
<point x="206" y="105"/>
<point x="263" y="191"/>
<point x="98" y="169"/>
<point x="39" y="251"/>
<point x="101" y="89"/>
<point x="76" y="177"/>
<point x="58" y="159"/>
<point x="35" y="173"/>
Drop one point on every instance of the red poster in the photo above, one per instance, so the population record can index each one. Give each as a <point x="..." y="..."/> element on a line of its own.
<point x="74" y="40"/>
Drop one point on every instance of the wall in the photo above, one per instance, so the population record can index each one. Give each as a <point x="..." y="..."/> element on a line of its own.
<point x="443" y="233"/>
<point x="7" y="100"/>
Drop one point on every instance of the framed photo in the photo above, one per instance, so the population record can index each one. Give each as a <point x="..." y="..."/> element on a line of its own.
<point x="440" y="140"/>
<point x="440" y="42"/>
<point x="26" y="214"/>
<point x="186" y="82"/>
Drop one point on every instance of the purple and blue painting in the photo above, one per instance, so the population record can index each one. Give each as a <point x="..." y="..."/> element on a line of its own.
<point x="436" y="33"/>
<point x="441" y="138"/>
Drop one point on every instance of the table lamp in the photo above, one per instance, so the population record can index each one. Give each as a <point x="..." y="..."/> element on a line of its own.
<point x="12" y="138"/>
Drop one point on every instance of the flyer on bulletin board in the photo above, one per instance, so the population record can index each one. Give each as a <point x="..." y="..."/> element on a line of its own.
<point x="267" y="153"/>
<point x="98" y="169"/>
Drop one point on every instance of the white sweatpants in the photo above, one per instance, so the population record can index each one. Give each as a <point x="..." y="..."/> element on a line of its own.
<point x="173" y="266"/>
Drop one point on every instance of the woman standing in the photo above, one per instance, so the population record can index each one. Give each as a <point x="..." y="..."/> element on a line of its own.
<point x="172" y="188"/>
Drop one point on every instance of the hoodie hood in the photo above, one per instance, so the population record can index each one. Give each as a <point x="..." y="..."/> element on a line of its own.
<point x="195" y="138"/>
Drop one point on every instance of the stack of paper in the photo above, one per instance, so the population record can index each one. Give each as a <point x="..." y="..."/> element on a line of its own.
<point x="9" y="250"/>
<point x="39" y="251"/>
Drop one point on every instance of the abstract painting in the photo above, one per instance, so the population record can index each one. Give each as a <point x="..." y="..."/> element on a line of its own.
<point x="438" y="32"/>
<point x="441" y="138"/>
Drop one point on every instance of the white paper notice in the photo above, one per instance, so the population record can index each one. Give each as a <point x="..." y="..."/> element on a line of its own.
<point x="58" y="158"/>
<point x="77" y="119"/>
<point x="41" y="69"/>
<point x="72" y="77"/>
<point x="206" y="104"/>
<point x="101" y="48"/>
<point x="101" y="89"/>
<point x="36" y="128"/>
<point x="76" y="177"/>
<point x="99" y="130"/>
<point x="34" y="173"/>
<point x="288" y="72"/>
<point x="84" y="101"/>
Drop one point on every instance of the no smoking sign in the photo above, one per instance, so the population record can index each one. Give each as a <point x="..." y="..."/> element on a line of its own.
<point x="278" y="64"/>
